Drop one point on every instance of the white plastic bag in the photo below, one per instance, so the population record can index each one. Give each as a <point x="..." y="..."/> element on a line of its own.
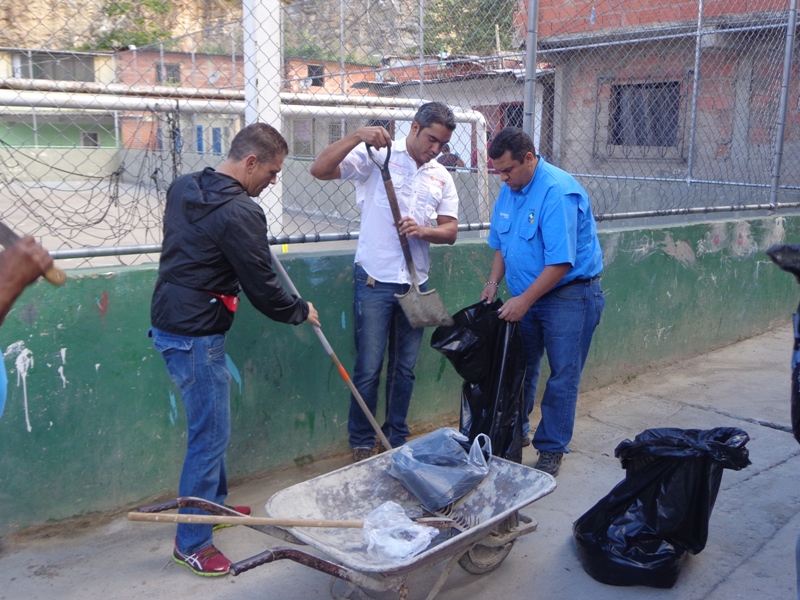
<point x="392" y="536"/>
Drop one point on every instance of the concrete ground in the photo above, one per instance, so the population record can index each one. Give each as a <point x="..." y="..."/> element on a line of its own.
<point x="752" y="532"/>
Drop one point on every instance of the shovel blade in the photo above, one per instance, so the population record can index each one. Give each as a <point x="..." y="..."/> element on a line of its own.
<point x="424" y="309"/>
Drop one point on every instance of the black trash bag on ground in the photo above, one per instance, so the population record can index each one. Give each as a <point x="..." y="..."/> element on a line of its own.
<point x="640" y="532"/>
<point x="489" y="355"/>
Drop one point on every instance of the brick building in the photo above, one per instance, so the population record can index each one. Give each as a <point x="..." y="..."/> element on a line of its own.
<point x="635" y="95"/>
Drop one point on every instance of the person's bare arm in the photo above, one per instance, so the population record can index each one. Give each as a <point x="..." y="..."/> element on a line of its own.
<point x="445" y="232"/>
<point x="496" y="274"/>
<point x="20" y="265"/>
<point x="326" y="165"/>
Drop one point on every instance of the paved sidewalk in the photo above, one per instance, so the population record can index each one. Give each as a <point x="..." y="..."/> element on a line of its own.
<point x="752" y="533"/>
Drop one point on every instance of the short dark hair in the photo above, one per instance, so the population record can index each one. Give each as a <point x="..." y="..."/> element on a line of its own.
<point x="513" y="140"/>
<point x="260" y="139"/>
<point x="435" y="112"/>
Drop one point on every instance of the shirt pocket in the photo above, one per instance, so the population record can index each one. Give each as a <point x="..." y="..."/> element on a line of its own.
<point x="429" y="197"/>
<point x="503" y="227"/>
<point x="527" y="232"/>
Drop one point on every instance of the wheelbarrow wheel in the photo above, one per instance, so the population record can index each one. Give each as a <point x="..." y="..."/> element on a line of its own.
<point x="484" y="559"/>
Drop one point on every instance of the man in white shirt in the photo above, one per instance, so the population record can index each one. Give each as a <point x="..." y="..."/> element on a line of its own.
<point x="428" y="204"/>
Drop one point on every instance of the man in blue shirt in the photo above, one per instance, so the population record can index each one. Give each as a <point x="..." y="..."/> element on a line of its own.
<point x="546" y="246"/>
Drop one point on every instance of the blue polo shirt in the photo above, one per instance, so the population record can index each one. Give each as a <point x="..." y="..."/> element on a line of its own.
<point x="548" y="222"/>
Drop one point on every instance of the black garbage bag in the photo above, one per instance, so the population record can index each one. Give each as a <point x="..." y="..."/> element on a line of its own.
<point x="640" y="532"/>
<point x="489" y="355"/>
<point x="787" y="257"/>
<point x="795" y="403"/>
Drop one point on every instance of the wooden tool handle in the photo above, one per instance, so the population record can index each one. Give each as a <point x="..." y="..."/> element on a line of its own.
<point x="392" y="196"/>
<point x="227" y="520"/>
<point x="55" y="275"/>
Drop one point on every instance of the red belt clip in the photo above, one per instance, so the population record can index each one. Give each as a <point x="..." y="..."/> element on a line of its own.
<point x="230" y="302"/>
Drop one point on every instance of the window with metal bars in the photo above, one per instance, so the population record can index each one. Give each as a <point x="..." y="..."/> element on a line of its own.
<point x="168" y="74"/>
<point x="317" y="75"/>
<point x="645" y="114"/>
<point x="640" y="119"/>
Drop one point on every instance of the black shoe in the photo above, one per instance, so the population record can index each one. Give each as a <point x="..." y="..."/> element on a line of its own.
<point x="360" y="454"/>
<point x="549" y="462"/>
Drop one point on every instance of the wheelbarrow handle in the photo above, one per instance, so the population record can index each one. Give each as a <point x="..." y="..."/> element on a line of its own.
<point x="244" y="520"/>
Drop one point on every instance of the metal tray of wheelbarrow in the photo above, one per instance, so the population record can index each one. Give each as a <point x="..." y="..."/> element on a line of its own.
<point x="352" y="492"/>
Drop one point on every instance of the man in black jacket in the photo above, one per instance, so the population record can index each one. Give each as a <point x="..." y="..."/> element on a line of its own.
<point x="215" y="243"/>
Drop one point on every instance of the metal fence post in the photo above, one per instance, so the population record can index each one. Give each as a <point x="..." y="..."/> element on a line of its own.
<point x="263" y="80"/>
<point x="784" y="102"/>
<point x="531" y="40"/>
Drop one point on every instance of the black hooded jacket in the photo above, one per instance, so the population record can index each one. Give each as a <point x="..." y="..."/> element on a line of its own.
<point x="215" y="240"/>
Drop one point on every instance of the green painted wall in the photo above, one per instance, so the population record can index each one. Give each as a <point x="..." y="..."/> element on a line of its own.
<point x="56" y="135"/>
<point x="107" y="427"/>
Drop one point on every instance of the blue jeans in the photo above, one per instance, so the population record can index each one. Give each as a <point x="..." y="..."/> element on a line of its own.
<point x="560" y="323"/>
<point x="198" y="367"/>
<point x="379" y="320"/>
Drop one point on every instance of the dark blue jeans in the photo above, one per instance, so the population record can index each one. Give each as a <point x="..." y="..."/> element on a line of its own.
<point x="379" y="320"/>
<point x="560" y="323"/>
<point x="198" y="367"/>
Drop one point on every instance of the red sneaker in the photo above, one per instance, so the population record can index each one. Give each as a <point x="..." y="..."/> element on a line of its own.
<point x="245" y="510"/>
<point x="208" y="562"/>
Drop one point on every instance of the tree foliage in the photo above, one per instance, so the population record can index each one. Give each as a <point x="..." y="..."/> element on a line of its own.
<point x="468" y="26"/>
<point x="136" y="23"/>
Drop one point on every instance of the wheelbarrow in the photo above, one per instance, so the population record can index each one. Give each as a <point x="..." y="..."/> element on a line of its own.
<point x="486" y="523"/>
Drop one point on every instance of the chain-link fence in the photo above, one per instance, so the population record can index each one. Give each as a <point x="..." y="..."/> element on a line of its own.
<point x="661" y="111"/>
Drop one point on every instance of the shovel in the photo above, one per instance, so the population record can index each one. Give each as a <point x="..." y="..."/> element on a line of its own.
<point x="324" y="341"/>
<point x="422" y="309"/>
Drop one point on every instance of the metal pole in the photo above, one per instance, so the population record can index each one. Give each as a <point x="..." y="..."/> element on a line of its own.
<point x="341" y="43"/>
<point x="162" y="70"/>
<point x="695" y="92"/>
<point x="788" y="56"/>
<point x="421" y="48"/>
<point x="531" y="41"/>
<point x="263" y="71"/>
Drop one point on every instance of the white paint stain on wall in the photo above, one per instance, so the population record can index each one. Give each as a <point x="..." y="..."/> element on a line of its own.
<point x="63" y="379"/>
<point x="742" y="242"/>
<point x="714" y="240"/>
<point x="14" y="349"/>
<point x="610" y="248"/>
<point x="63" y="356"/>
<point x="642" y="251"/>
<point x="774" y="232"/>
<point x="24" y="363"/>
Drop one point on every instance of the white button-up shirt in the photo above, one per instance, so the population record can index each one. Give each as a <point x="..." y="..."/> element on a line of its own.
<point x="423" y="194"/>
